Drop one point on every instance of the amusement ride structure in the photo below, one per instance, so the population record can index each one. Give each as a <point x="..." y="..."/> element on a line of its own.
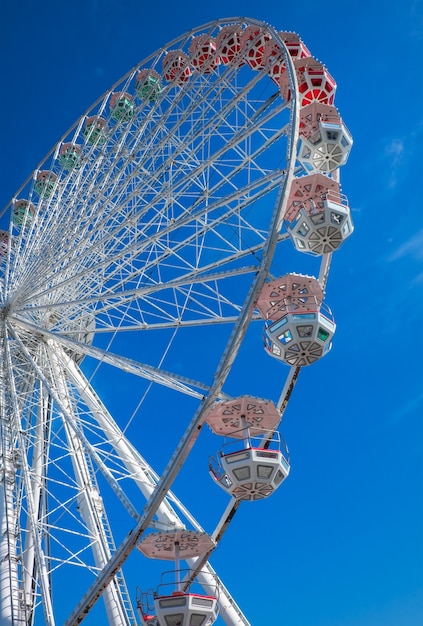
<point x="147" y="245"/>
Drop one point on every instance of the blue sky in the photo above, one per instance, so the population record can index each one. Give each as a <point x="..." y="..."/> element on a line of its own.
<point x="342" y="542"/>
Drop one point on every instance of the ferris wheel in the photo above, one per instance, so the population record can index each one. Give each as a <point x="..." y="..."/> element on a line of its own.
<point x="145" y="256"/>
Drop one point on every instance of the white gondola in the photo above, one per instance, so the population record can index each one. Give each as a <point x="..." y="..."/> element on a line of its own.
<point x="122" y="106"/>
<point x="186" y="609"/>
<point x="181" y="607"/>
<point x="176" y="67"/>
<point x="251" y="469"/>
<point x="254" y="459"/>
<point x="148" y="85"/>
<point x="95" y="130"/>
<point x="299" y="327"/>
<point x="318" y="216"/>
<point x="202" y="52"/>
<point x="325" y="140"/>
<point x="23" y="212"/>
<point x="322" y="231"/>
<point x="70" y="156"/>
<point x="4" y="242"/>
<point x="45" y="183"/>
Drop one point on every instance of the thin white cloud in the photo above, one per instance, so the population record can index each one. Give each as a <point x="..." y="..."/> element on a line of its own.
<point x="400" y="152"/>
<point x="395" y="153"/>
<point x="413" y="247"/>
<point x="409" y="407"/>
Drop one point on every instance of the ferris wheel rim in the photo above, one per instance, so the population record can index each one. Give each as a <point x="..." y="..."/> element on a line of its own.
<point x="62" y="339"/>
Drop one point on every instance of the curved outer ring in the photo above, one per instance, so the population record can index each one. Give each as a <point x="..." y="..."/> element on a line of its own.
<point x="228" y="357"/>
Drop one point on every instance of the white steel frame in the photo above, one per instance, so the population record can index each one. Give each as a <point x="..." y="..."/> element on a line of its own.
<point x="170" y="225"/>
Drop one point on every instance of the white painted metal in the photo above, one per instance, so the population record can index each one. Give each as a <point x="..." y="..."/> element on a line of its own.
<point x="90" y="503"/>
<point x="171" y="224"/>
